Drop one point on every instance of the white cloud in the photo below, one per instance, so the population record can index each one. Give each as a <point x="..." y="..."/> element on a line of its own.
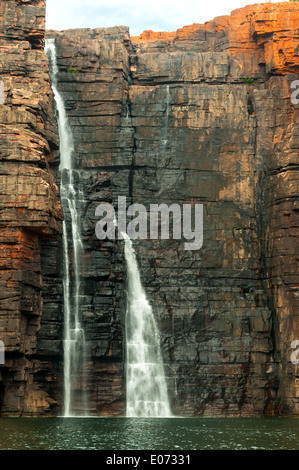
<point x="159" y="15"/>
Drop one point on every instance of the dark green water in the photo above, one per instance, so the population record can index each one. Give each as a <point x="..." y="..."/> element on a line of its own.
<point x="149" y="434"/>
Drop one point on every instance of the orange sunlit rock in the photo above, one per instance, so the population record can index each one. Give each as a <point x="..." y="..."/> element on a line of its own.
<point x="267" y="31"/>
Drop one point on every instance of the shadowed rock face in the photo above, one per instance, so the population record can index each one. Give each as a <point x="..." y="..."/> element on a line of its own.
<point x="163" y="118"/>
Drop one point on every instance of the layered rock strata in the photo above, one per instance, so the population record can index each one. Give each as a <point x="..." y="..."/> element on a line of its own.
<point x="30" y="208"/>
<point x="203" y="115"/>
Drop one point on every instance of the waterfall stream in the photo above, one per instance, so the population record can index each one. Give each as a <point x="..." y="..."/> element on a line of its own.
<point x="146" y="385"/>
<point x="75" y="402"/>
<point x="167" y="100"/>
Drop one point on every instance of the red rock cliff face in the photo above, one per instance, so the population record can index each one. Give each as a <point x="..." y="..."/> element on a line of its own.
<point x="259" y="42"/>
<point x="201" y="115"/>
<point x="29" y="200"/>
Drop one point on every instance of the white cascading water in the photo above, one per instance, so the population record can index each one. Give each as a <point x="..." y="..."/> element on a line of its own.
<point x="167" y="99"/>
<point x="146" y="385"/>
<point x="74" y="337"/>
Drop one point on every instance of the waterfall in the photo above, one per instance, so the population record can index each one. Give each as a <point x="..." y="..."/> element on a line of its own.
<point x="146" y="384"/>
<point x="167" y="100"/>
<point x="74" y="344"/>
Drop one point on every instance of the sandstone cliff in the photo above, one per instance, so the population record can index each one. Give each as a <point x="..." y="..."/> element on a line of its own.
<point x="29" y="200"/>
<point x="201" y="115"/>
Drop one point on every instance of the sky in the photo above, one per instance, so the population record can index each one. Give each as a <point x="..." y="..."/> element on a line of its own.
<point x="139" y="15"/>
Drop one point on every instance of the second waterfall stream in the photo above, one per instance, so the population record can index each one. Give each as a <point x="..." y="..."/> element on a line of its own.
<point x="146" y="385"/>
